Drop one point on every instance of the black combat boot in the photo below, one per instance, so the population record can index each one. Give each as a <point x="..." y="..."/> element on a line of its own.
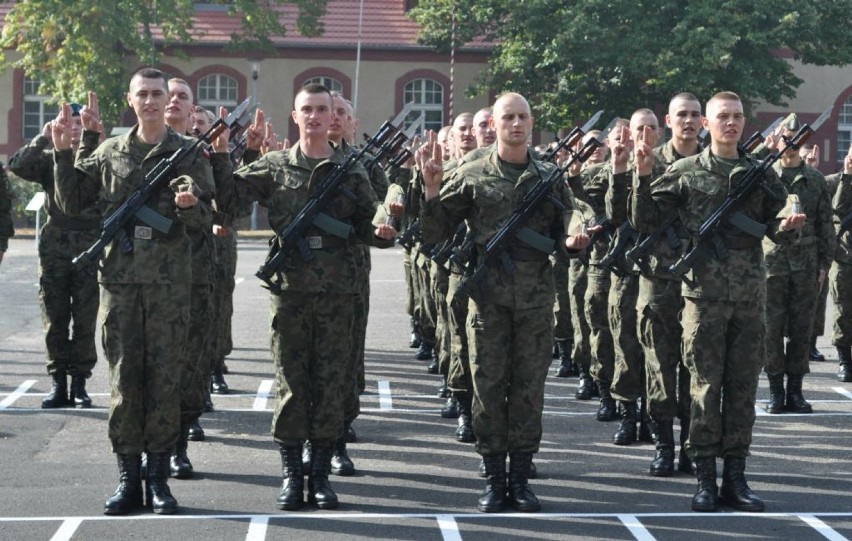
<point x="566" y="366"/>
<point x="78" y="392"/>
<point x="208" y="401"/>
<point x="307" y="457"/>
<point x="451" y="408"/>
<point x="521" y="497"/>
<point x="586" y="385"/>
<point x="443" y="389"/>
<point x="776" y="394"/>
<point x="433" y="367"/>
<point x="646" y="430"/>
<point x="705" y="499"/>
<point x="349" y="433"/>
<point x="464" y="433"/>
<point x="292" y="495"/>
<point x="735" y="491"/>
<point x="796" y="402"/>
<point x="320" y="492"/>
<point x="607" y="410"/>
<point x="424" y="353"/>
<point x="554" y="353"/>
<point x="160" y="498"/>
<point x="217" y="382"/>
<point x="663" y="463"/>
<point x="179" y="465"/>
<point x="626" y="433"/>
<point x="684" y="463"/>
<point x="196" y="433"/>
<point x="341" y="464"/>
<point x="493" y="500"/>
<point x="814" y="353"/>
<point x="844" y="372"/>
<point x="128" y="495"/>
<point x="58" y="395"/>
<point x="414" y="339"/>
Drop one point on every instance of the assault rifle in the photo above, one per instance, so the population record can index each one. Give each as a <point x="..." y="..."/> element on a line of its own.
<point x="605" y="231"/>
<point x="514" y="228"/>
<point x="442" y="253"/>
<point x="393" y="146"/>
<point x="407" y="238"/>
<point x="293" y="236"/>
<point x="551" y="154"/>
<point x="115" y="226"/>
<point x="407" y="152"/>
<point x="615" y="256"/>
<point x="729" y="210"/>
<point x="640" y="252"/>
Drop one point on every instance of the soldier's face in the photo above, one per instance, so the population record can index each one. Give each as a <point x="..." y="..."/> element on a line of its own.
<point x="684" y="119"/>
<point x="599" y="154"/>
<point x="725" y="121"/>
<point x="313" y="114"/>
<point x="148" y="98"/>
<point x="341" y="123"/>
<point x="638" y="123"/>
<point x="179" y="108"/>
<point x="789" y="134"/>
<point x="201" y="123"/>
<point x="76" y="130"/>
<point x="512" y="121"/>
<point x="482" y="130"/>
<point x="462" y="134"/>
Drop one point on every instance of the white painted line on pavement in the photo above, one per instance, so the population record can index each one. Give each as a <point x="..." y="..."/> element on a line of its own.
<point x="263" y="392"/>
<point x="822" y="528"/>
<point x="639" y="532"/>
<point x="239" y="280"/>
<point x="449" y="528"/>
<point x="257" y="528"/>
<point x="844" y="392"/>
<point x="67" y="530"/>
<point x="385" y="400"/>
<point x="387" y="281"/>
<point x="17" y="393"/>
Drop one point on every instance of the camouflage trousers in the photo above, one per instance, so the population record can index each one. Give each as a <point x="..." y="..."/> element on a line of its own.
<point x="819" y="316"/>
<point x="666" y="378"/>
<point x="459" y="377"/>
<point x="443" y="340"/>
<point x="68" y="295"/>
<point x="791" y="302"/>
<point x="597" y="315"/>
<point x="628" y="380"/>
<point x="724" y="349"/>
<point x="840" y="284"/>
<point x="563" y="328"/>
<point x="311" y="346"/>
<point x="412" y="303"/>
<point x="197" y="366"/>
<point x="509" y="358"/>
<point x="355" y="382"/>
<point x="428" y="309"/>
<point x="145" y="330"/>
<point x="223" y="293"/>
<point x="577" y="282"/>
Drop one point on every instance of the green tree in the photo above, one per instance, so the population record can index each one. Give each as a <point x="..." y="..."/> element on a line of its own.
<point x="572" y="57"/>
<point x="73" y="46"/>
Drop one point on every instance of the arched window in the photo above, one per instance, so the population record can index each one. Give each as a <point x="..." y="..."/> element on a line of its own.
<point x="844" y="130"/>
<point x="329" y="82"/>
<point x="217" y="90"/>
<point x="428" y="98"/>
<point x="37" y="111"/>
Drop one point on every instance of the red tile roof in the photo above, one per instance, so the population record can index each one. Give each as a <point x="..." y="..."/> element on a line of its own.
<point x="385" y="25"/>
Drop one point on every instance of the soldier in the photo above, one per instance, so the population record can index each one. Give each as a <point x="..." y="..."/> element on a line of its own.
<point x="144" y="292"/>
<point x="7" y="228"/>
<point x="810" y="154"/>
<point x="510" y="331"/>
<point x="68" y="294"/>
<point x="723" y="329"/>
<point x="312" y="315"/>
<point x="797" y="264"/>
<point x="841" y="271"/>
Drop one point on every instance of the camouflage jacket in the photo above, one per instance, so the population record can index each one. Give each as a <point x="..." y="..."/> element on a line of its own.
<point x="591" y="186"/>
<point x="34" y="163"/>
<point x="694" y="188"/>
<point x="480" y="193"/>
<point x="842" y="205"/>
<point x="7" y="229"/>
<point x="283" y="182"/>
<point x="812" y="247"/>
<point x="107" y="175"/>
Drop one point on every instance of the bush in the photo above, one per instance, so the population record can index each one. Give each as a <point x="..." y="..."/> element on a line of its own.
<point x="22" y="192"/>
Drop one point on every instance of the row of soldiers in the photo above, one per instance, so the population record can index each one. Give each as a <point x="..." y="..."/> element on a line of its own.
<point x="619" y="316"/>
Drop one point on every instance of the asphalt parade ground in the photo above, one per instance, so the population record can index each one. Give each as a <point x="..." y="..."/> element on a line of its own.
<point x="413" y="480"/>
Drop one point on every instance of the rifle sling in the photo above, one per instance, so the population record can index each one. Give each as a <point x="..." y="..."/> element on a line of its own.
<point x="537" y="241"/>
<point x="332" y="226"/>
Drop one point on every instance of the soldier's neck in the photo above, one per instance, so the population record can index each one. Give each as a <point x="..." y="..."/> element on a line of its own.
<point x="685" y="147"/>
<point x="152" y="133"/>
<point x="315" y="147"/>
<point x="512" y="154"/>
<point x="178" y="126"/>
<point x="724" y="150"/>
<point x="791" y="160"/>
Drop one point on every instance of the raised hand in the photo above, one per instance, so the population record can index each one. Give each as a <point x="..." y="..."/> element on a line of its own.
<point x="621" y="151"/>
<point x="643" y="152"/>
<point x="60" y="128"/>
<point x="256" y="131"/>
<point x="220" y="143"/>
<point x="90" y="114"/>
<point x="433" y="167"/>
<point x="812" y="157"/>
<point x="270" y="140"/>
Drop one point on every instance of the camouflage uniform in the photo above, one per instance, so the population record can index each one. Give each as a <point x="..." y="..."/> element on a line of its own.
<point x="793" y="261"/>
<point x="510" y="334"/>
<point x="841" y="271"/>
<point x="7" y="229"/>
<point x="144" y="294"/>
<point x="311" y="319"/>
<point x="723" y="318"/>
<point x="68" y="294"/>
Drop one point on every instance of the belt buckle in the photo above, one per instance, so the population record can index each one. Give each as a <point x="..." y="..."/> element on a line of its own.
<point x="314" y="242"/>
<point x="143" y="232"/>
